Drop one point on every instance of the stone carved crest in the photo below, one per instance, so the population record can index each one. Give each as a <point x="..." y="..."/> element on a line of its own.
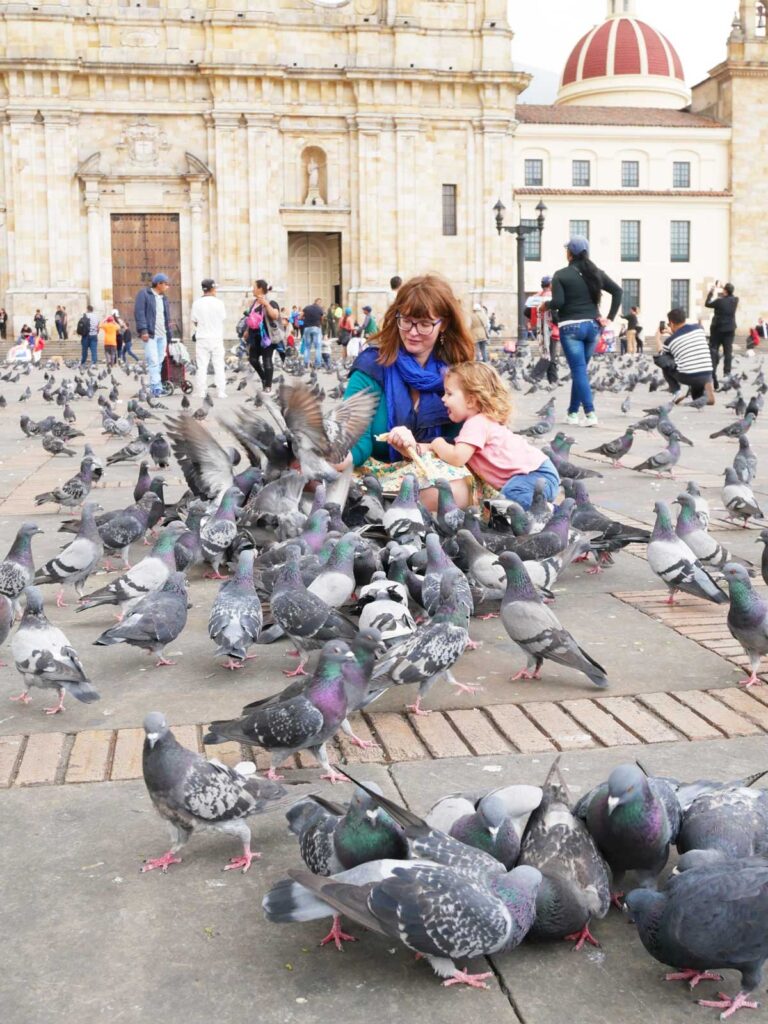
<point x="134" y="37"/>
<point x="143" y="142"/>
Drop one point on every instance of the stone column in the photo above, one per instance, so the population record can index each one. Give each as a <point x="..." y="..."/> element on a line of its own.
<point x="60" y="156"/>
<point x="407" y="141"/>
<point x="496" y="254"/>
<point x="94" y="243"/>
<point x="370" y="175"/>
<point x="231" y="200"/>
<point x="196" y="236"/>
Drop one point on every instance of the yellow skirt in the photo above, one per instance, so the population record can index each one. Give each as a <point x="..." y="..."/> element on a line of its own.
<point x="390" y="475"/>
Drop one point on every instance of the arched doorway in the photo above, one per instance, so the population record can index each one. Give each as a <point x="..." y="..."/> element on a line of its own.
<point x="314" y="267"/>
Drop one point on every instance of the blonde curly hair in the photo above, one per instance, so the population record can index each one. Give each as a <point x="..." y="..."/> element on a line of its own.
<point x="481" y="383"/>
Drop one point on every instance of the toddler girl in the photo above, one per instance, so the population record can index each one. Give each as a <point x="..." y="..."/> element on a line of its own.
<point x="476" y="396"/>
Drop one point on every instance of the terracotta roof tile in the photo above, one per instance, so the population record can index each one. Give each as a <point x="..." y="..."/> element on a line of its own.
<point x="651" y="117"/>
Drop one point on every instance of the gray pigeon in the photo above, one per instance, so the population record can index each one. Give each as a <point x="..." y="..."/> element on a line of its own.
<point x="536" y="629"/>
<point x="747" y="618"/>
<point x="143" y="481"/>
<point x="733" y="821"/>
<point x="236" y="617"/>
<point x="154" y="622"/>
<point x="55" y="446"/>
<point x="133" y="450"/>
<point x="46" y="659"/>
<point x="575" y="885"/>
<point x="615" y="450"/>
<point x="431" y="652"/>
<point x="709" y="918"/>
<point x="704" y="546"/>
<point x="700" y="503"/>
<point x="129" y="525"/>
<point x="335" y="582"/>
<point x="144" y="578"/>
<point x="72" y="492"/>
<point x="745" y="461"/>
<point x="196" y="795"/>
<point x="739" y="499"/>
<point x="675" y="564"/>
<point x="664" y="461"/>
<point x="404" y="516"/>
<point x="160" y="451"/>
<point x="219" y="531"/>
<point x="382" y="604"/>
<point x="17" y="568"/>
<point x="77" y="560"/>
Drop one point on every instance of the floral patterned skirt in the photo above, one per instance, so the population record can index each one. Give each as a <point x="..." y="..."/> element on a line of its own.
<point x="390" y="475"/>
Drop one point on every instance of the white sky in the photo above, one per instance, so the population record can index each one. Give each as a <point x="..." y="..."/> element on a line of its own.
<point x="698" y="29"/>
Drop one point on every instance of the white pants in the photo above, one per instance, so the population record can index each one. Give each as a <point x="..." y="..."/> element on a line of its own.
<point x="210" y="350"/>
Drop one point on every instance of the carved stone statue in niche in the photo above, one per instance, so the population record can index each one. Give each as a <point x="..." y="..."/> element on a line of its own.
<point x="314" y="196"/>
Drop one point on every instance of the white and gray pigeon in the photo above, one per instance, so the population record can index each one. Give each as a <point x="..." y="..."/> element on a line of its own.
<point x="219" y="531"/>
<point x="688" y="528"/>
<point x="745" y="461"/>
<point x="335" y="583"/>
<point x="46" y="659"/>
<point x="675" y="564"/>
<point x="143" y="578"/>
<point x="197" y="795"/>
<point x="404" y="516"/>
<point x="747" y="619"/>
<point x="17" y="568"/>
<point x="537" y="630"/>
<point x="235" y="621"/>
<point x="154" y="622"/>
<point x="739" y="499"/>
<point x="75" y="563"/>
<point x="383" y="604"/>
<point x="700" y="502"/>
<point x="72" y="492"/>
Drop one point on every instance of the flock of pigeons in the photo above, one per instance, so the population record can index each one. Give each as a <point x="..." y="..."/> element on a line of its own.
<point x="385" y="591"/>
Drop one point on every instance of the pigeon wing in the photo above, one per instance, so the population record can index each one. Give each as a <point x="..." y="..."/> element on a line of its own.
<point x="204" y="463"/>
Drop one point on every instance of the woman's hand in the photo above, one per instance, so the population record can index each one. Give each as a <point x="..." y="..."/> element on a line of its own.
<point x="402" y="439"/>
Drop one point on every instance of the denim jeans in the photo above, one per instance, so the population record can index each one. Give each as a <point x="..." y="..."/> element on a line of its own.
<point x="313" y="337"/>
<point x="520" y="488"/>
<point x="579" y="342"/>
<point x="88" y="343"/>
<point x="481" y="348"/>
<point x="154" y="354"/>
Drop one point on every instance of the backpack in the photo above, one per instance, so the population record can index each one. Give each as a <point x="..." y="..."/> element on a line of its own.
<point x="83" y="325"/>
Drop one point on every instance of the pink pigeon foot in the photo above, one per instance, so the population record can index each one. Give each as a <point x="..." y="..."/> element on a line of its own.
<point x="336" y="935"/>
<point x="163" y="862"/>
<point x="465" y="688"/>
<point x="671" y="598"/>
<point x="243" y="861"/>
<point x="753" y="680"/>
<point x="595" y="570"/>
<point x="298" y="671"/>
<point x="415" y="709"/>
<point x="23" y="697"/>
<point x="293" y="654"/>
<point x="363" y="744"/>
<point x="728" y="1005"/>
<point x="693" y="977"/>
<point x="60" y="602"/>
<point x="473" y="980"/>
<point x="616" y="898"/>
<point x="108" y="567"/>
<point x="616" y="464"/>
<point x="585" y="935"/>
<point x="581" y="558"/>
<point x="163" y="661"/>
<point x="215" y="576"/>
<point x="472" y="645"/>
<point x="273" y="776"/>
<point x="117" y="616"/>
<point x="490" y="615"/>
<point x="232" y="665"/>
<point x="524" y="673"/>
<point x="58" y="709"/>
<point x="334" y="777"/>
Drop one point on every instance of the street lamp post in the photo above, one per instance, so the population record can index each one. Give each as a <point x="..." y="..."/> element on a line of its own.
<point x="520" y="231"/>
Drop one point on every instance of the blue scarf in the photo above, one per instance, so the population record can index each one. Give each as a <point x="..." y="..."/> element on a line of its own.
<point x="428" y="420"/>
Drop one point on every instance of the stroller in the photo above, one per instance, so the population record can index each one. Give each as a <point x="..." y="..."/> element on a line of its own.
<point x="173" y="371"/>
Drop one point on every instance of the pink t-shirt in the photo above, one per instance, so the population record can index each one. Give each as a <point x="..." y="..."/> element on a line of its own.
<point x="500" y="453"/>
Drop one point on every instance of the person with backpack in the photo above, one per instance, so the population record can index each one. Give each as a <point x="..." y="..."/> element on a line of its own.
<point x="88" y="329"/>
<point x="152" y="314"/>
<point x="370" y="327"/>
<point x="262" y="341"/>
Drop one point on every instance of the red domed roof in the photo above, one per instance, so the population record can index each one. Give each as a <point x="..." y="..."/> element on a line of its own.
<point x="622" y="46"/>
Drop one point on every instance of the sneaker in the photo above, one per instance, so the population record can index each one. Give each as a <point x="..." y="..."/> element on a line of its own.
<point x="572" y="419"/>
<point x="590" y="420"/>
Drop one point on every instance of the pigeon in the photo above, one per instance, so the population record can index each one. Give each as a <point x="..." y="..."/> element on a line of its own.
<point x="736" y="429"/>
<point x="154" y="622"/>
<point x="536" y="629"/>
<point x="55" y="446"/>
<point x="303" y="722"/>
<point x="142" y="483"/>
<point x="615" y="450"/>
<point x="404" y="516"/>
<point x="206" y="466"/>
<point x="700" y="503"/>
<point x="745" y="461"/>
<point x="739" y="499"/>
<point x="236" y="618"/>
<point x="218" y="532"/>
<point x="763" y="539"/>
<point x="134" y="450"/>
<point x="335" y="583"/>
<point x="575" y="885"/>
<point x="75" y="563"/>
<point x="709" y="552"/>
<point x="667" y="428"/>
<point x="494" y="821"/>
<point x="72" y="492"/>
<point x="710" y="917"/>
<point x="449" y="517"/>
<point x="144" y="578"/>
<point x="6" y="621"/>
<point x="675" y="564"/>
<point x="633" y="819"/>
<point x="664" y="461"/>
<point x="302" y="615"/>
<point x="196" y="795"/>
<point x="544" y="425"/>
<point x="552" y="539"/>
<point x="697" y="403"/>
<point x="46" y="659"/>
<point x="731" y="821"/>
<point x="187" y="550"/>
<point x="747" y="618"/>
<point x="382" y="604"/>
<point x="160" y="451"/>
<point x="570" y="469"/>
<point x="430" y="652"/>
<point x="17" y="568"/>
<point x="120" y="530"/>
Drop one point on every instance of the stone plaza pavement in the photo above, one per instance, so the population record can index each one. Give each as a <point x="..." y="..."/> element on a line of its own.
<point x="89" y="938"/>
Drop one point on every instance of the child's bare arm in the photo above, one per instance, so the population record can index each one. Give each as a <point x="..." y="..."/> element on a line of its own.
<point x="454" y="454"/>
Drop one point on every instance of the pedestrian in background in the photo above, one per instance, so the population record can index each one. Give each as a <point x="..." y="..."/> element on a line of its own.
<point x="208" y="315"/>
<point x="369" y="325"/>
<point x="575" y="305"/>
<point x="108" y="329"/>
<point x="346" y="326"/>
<point x="3" y="324"/>
<point x="40" y="324"/>
<point x="723" y="327"/>
<point x="478" y="328"/>
<point x="88" y="328"/>
<point x="261" y="349"/>
<point x="313" y="331"/>
<point x="152" y="314"/>
<point x="58" y="321"/>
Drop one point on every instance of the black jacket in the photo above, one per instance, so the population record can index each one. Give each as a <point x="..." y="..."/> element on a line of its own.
<point x="571" y="299"/>
<point x="724" y="320"/>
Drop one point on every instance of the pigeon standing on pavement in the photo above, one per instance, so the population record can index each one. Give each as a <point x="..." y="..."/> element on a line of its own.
<point x="78" y="560"/>
<point x="46" y="659"/>
<point x="747" y="618"/>
<point x="154" y="622"/>
<point x="745" y="461"/>
<point x="536" y="629"/>
<point x="17" y="568"/>
<point x="236" y="618"/>
<point x="739" y="498"/>
<point x="142" y="483"/>
<point x="335" y="582"/>
<point x="193" y="794"/>
<point x="736" y="429"/>
<point x="143" y="578"/>
<point x="403" y="516"/>
<point x="664" y="461"/>
<point x="763" y="539"/>
<point x="219" y="531"/>
<point x="72" y="492"/>
<point x="675" y="564"/>
<point x="615" y="450"/>
<point x="160" y="451"/>
<point x="700" y="503"/>
<point x="709" y="552"/>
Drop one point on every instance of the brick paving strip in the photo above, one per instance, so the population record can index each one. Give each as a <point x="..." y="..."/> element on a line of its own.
<point x="101" y="755"/>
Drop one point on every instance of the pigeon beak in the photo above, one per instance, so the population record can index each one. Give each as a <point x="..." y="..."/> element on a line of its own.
<point x="613" y="802"/>
<point x="373" y="815"/>
<point x="349" y="656"/>
<point x="152" y="738"/>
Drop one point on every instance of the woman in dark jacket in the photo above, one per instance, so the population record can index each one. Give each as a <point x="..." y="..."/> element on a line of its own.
<point x="261" y="350"/>
<point x="575" y="306"/>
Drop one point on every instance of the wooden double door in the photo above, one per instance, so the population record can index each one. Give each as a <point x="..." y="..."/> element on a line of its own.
<point x="145" y="244"/>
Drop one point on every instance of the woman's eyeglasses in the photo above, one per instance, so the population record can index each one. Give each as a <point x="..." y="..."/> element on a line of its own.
<point x="423" y="327"/>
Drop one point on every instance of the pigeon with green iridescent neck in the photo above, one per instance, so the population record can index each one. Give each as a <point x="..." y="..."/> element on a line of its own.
<point x="335" y="583"/>
<point x="675" y="564"/>
<point x="219" y="531"/>
<point x="449" y="517"/>
<point x="736" y="429"/>
<point x="616" y="450"/>
<point x="78" y="560"/>
<point x="17" y="568"/>
<point x="404" y="516"/>
<point x="303" y="722"/>
<point x="688" y="528"/>
<point x="747" y="618"/>
<point x="235" y="621"/>
<point x="536" y="629"/>
<point x="144" y="578"/>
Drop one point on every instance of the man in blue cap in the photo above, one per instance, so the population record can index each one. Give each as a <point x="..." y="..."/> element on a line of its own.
<point x="152" y="313"/>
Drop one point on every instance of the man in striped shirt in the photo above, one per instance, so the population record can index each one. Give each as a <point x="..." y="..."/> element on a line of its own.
<point x="688" y="346"/>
